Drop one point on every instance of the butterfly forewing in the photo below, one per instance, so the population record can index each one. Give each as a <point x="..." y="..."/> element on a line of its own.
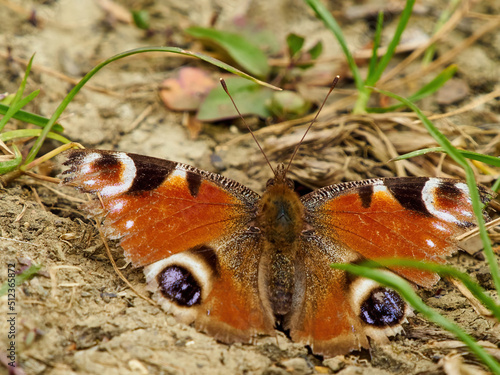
<point x="158" y="207"/>
<point x="415" y="217"/>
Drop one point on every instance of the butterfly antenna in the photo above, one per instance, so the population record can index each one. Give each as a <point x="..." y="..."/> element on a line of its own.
<point x="332" y="86"/>
<point x="224" y="86"/>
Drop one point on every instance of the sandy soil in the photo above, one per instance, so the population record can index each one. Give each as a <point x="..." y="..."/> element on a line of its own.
<point x="76" y="316"/>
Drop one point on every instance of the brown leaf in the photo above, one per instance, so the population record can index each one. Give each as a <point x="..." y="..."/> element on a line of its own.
<point x="187" y="91"/>
<point x="453" y="91"/>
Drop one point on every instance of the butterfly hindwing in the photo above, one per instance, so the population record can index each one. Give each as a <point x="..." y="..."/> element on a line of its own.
<point x="324" y="319"/>
<point x="215" y="286"/>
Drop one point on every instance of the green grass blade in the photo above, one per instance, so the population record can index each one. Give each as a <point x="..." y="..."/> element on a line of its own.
<point x="435" y="84"/>
<point x="26" y="275"/>
<point x="391" y="48"/>
<point x="376" y="44"/>
<point x="24" y="133"/>
<point x="496" y="185"/>
<point x="21" y="103"/>
<point x="17" y="97"/>
<point x="30" y="118"/>
<point x="425" y="91"/>
<point x="10" y="165"/>
<point x="471" y="183"/>
<point x="59" y="110"/>
<point x="421" y="152"/>
<point x="332" y="24"/>
<point x="487" y="159"/>
<point x="406" y="291"/>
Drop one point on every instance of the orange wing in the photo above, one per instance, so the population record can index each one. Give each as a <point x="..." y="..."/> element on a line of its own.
<point x="190" y="227"/>
<point x="326" y="319"/>
<point x="400" y="217"/>
<point x="159" y="207"/>
<point x="414" y="217"/>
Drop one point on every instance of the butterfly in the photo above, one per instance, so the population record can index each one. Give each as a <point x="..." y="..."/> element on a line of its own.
<point x="237" y="265"/>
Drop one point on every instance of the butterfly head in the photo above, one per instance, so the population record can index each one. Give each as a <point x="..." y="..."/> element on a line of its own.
<point x="280" y="179"/>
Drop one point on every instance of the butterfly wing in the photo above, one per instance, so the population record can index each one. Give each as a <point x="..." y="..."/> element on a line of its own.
<point x="190" y="227"/>
<point x="397" y="217"/>
<point x="414" y="217"/>
<point x="323" y="316"/>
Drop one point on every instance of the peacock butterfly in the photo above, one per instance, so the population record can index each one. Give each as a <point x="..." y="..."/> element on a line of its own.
<point x="237" y="264"/>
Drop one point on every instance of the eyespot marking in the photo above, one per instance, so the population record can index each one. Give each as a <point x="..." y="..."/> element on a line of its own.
<point x="437" y="195"/>
<point x="179" y="285"/>
<point x="383" y="307"/>
<point x="103" y="160"/>
<point x="88" y="162"/>
<point x="125" y="165"/>
<point x="209" y="257"/>
<point x="183" y="280"/>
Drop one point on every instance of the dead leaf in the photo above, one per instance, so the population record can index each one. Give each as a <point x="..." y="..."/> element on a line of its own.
<point x="453" y="91"/>
<point x="187" y="91"/>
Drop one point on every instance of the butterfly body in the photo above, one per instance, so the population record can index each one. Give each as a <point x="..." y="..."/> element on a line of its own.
<point x="280" y="220"/>
<point x="235" y="264"/>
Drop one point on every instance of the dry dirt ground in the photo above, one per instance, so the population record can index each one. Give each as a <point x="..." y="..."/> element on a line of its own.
<point x="76" y="316"/>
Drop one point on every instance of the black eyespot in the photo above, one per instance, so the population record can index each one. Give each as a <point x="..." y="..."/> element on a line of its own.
<point x="384" y="307"/>
<point x="178" y="284"/>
